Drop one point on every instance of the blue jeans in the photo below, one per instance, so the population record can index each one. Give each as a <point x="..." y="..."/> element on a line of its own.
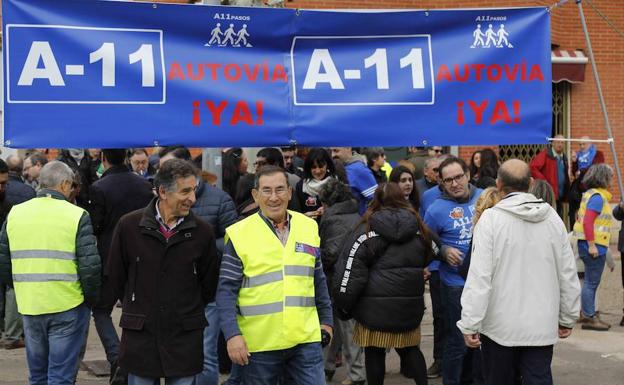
<point x="138" y="380"/>
<point x="236" y="375"/>
<point x="53" y="343"/>
<point x="454" y="346"/>
<point x="302" y="363"/>
<point x="593" y="273"/>
<point x="107" y="333"/>
<point x="210" y="371"/>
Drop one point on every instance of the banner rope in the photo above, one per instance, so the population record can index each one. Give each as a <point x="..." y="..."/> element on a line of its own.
<point x="557" y="4"/>
<point x="605" y="18"/>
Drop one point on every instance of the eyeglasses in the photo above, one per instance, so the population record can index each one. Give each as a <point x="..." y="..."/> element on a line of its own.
<point x="456" y="179"/>
<point x="437" y="151"/>
<point x="279" y="191"/>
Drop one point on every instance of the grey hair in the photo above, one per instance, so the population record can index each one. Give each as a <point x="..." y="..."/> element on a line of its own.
<point x="541" y="189"/>
<point x="171" y="171"/>
<point x="269" y="170"/>
<point x="54" y="173"/>
<point x="430" y="160"/>
<point x="598" y="176"/>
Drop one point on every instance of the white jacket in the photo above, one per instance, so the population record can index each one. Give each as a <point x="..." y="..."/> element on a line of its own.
<point x="522" y="282"/>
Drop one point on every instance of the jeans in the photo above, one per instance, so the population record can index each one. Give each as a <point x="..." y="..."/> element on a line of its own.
<point x="437" y="308"/>
<point x="107" y="333"/>
<point x="138" y="380"/>
<point x="210" y="371"/>
<point x="504" y="365"/>
<point x="303" y="363"/>
<point x="53" y="343"/>
<point x="593" y="273"/>
<point x="13" y="325"/>
<point x="236" y="375"/>
<point x="456" y="363"/>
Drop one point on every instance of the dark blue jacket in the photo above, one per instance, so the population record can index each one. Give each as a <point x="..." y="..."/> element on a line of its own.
<point x="215" y="207"/>
<point x="17" y="191"/>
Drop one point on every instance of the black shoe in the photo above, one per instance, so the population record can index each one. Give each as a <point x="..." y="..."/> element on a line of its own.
<point x="435" y="370"/>
<point x="622" y="322"/>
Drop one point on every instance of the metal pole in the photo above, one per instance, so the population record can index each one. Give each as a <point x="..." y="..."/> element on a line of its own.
<point x="601" y="97"/>
<point x="211" y="157"/>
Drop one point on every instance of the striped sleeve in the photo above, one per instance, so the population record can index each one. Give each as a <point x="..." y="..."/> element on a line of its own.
<point x="230" y="282"/>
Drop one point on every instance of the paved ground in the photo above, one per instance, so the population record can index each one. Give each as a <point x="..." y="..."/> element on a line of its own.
<point x="587" y="357"/>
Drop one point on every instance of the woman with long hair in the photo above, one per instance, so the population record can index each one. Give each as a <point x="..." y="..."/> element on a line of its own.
<point x="484" y="168"/>
<point x="318" y="169"/>
<point x="379" y="281"/>
<point x="475" y="165"/>
<point x="404" y="177"/>
<point x="234" y="166"/>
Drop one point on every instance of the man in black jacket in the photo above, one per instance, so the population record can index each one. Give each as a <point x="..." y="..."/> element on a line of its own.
<point x="17" y="191"/>
<point x="163" y="264"/>
<point x="618" y="213"/>
<point x="117" y="193"/>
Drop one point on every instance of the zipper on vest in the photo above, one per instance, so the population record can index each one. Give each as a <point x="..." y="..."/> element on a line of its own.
<point x="194" y="268"/>
<point x="136" y="268"/>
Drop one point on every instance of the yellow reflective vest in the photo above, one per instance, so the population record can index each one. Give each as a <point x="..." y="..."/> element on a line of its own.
<point x="276" y="302"/>
<point x="42" y="242"/>
<point x="602" y="225"/>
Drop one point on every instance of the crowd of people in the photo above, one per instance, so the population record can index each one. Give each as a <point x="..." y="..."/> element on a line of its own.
<point x="300" y="261"/>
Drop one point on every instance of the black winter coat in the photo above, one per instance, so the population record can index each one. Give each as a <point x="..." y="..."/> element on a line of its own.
<point x="164" y="286"/>
<point x="619" y="215"/>
<point x="87" y="169"/>
<point x="379" y="277"/>
<point x="214" y="206"/>
<point x="337" y="223"/>
<point x="17" y="191"/>
<point x="117" y="193"/>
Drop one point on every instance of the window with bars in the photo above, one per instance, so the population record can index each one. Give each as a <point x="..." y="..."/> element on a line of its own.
<point x="560" y="125"/>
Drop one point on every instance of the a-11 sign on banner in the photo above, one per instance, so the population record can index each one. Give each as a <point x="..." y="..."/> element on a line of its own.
<point x="116" y="74"/>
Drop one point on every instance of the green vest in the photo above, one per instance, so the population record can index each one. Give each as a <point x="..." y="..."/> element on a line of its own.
<point x="42" y="240"/>
<point x="276" y="302"/>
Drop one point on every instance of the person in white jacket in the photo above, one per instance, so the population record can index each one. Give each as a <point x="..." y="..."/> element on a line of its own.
<point x="522" y="292"/>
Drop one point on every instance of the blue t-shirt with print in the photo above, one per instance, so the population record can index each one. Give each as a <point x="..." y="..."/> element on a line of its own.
<point x="595" y="204"/>
<point x="452" y="221"/>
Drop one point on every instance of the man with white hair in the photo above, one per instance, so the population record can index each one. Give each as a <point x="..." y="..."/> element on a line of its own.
<point x="56" y="274"/>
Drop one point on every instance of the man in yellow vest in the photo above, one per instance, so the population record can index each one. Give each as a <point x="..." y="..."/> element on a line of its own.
<point x="274" y="307"/>
<point x="49" y="254"/>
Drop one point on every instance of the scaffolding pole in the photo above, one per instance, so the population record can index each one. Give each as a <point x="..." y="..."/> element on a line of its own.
<point x="603" y="106"/>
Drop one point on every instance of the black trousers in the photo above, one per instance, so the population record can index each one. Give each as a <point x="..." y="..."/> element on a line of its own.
<point x="438" y="316"/>
<point x="412" y="364"/>
<point x="502" y="364"/>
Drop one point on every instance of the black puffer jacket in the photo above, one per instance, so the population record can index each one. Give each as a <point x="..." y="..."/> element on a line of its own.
<point x="337" y="223"/>
<point x="379" y="277"/>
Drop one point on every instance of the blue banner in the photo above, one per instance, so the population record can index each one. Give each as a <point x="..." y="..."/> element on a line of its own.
<point x="124" y="74"/>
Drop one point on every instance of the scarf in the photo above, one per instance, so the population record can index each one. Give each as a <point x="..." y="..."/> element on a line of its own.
<point x="312" y="187"/>
<point x="585" y="158"/>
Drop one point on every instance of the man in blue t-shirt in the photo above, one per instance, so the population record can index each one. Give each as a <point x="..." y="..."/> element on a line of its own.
<point x="361" y="179"/>
<point x="450" y="217"/>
